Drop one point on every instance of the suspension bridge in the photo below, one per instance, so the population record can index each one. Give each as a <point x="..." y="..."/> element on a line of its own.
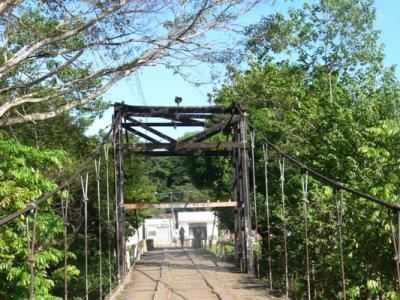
<point x="181" y="273"/>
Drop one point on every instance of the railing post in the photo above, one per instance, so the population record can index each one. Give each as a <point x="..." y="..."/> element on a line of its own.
<point x="84" y="185"/>
<point x="265" y="152"/>
<point x="285" y="231"/>
<point x="109" y="243"/>
<point x="240" y="251"/>
<point x="398" y="249"/>
<point x="254" y="190"/>
<point x="97" y="165"/>
<point x="248" y="239"/>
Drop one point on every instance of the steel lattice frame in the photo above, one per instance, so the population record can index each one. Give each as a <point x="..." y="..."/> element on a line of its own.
<point x="127" y="121"/>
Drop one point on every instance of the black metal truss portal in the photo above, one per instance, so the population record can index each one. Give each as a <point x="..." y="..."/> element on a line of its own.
<point x="214" y="119"/>
<point x="128" y="122"/>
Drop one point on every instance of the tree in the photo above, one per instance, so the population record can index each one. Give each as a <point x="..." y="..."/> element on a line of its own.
<point x="337" y="34"/>
<point x="316" y="86"/>
<point x="23" y="174"/>
<point x="353" y="142"/>
<point x="48" y="54"/>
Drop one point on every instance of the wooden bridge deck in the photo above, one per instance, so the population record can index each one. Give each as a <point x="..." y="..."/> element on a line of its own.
<point x="188" y="274"/>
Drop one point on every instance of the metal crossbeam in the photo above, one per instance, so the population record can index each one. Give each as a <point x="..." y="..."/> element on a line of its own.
<point x="133" y="110"/>
<point x="214" y="129"/>
<point x="141" y="134"/>
<point x="152" y="130"/>
<point x="168" y="124"/>
<point x="177" y="116"/>
<point x="185" y="153"/>
<point x="182" y="147"/>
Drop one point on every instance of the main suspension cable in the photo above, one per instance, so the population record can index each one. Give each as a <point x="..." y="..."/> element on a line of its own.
<point x="334" y="183"/>
<point x="64" y="183"/>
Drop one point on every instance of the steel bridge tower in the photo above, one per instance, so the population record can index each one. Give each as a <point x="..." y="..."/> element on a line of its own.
<point x="230" y="121"/>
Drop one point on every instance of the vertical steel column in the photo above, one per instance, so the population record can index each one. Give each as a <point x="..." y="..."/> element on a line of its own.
<point x="254" y="190"/>
<point x="119" y="193"/>
<point x="244" y="162"/>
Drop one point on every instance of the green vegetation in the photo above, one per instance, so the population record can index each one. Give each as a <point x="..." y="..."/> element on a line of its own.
<point x="24" y="176"/>
<point x="313" y="83"/>
<point x="333" y="104"/>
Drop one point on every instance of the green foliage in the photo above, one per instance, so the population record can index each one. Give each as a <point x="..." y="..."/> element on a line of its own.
<point x="139" y="187"/>
<point x="23" y="178"/>
<point x="338" y="34"/>
<point x="289" y="106"/>
<point x="316" y="87"/>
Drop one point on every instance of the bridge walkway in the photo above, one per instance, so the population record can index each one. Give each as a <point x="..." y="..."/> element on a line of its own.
<point x="189" y="274"/>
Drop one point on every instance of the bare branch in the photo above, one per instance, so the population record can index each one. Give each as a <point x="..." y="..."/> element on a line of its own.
<point x="6" y="5"/>
<point x="172" y="39"/>
<point x="59" y="110"/>
<point x="42" y="78"/>
<point x="29" y="50"/>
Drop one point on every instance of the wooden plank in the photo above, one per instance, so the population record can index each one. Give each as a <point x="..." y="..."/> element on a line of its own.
<point x="229" y="146"/>
<point x="186" y="153"/>
<point x="172" y="205"/>
<point x="167" y="124"/>
<point x="146" y="147"/>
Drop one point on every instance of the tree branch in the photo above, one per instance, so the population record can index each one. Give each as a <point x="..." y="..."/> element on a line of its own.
<point x="6" y="5"/>
<point x="29" y="50"/>
<point x="59" y="110"/>
<point x="42" y="78"/>
<point x="183" y="40"/>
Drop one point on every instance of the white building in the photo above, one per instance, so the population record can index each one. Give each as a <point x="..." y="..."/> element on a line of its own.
<point x="198" y="227"/>
<point x="160" y="230"/>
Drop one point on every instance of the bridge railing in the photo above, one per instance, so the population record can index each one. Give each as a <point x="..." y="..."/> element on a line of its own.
<point x="89" y="189"/>
<point x="135" y="247"/>
<point x="322" y="239"/>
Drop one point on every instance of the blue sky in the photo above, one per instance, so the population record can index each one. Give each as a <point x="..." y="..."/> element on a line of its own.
<point x="160" y="86"/>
